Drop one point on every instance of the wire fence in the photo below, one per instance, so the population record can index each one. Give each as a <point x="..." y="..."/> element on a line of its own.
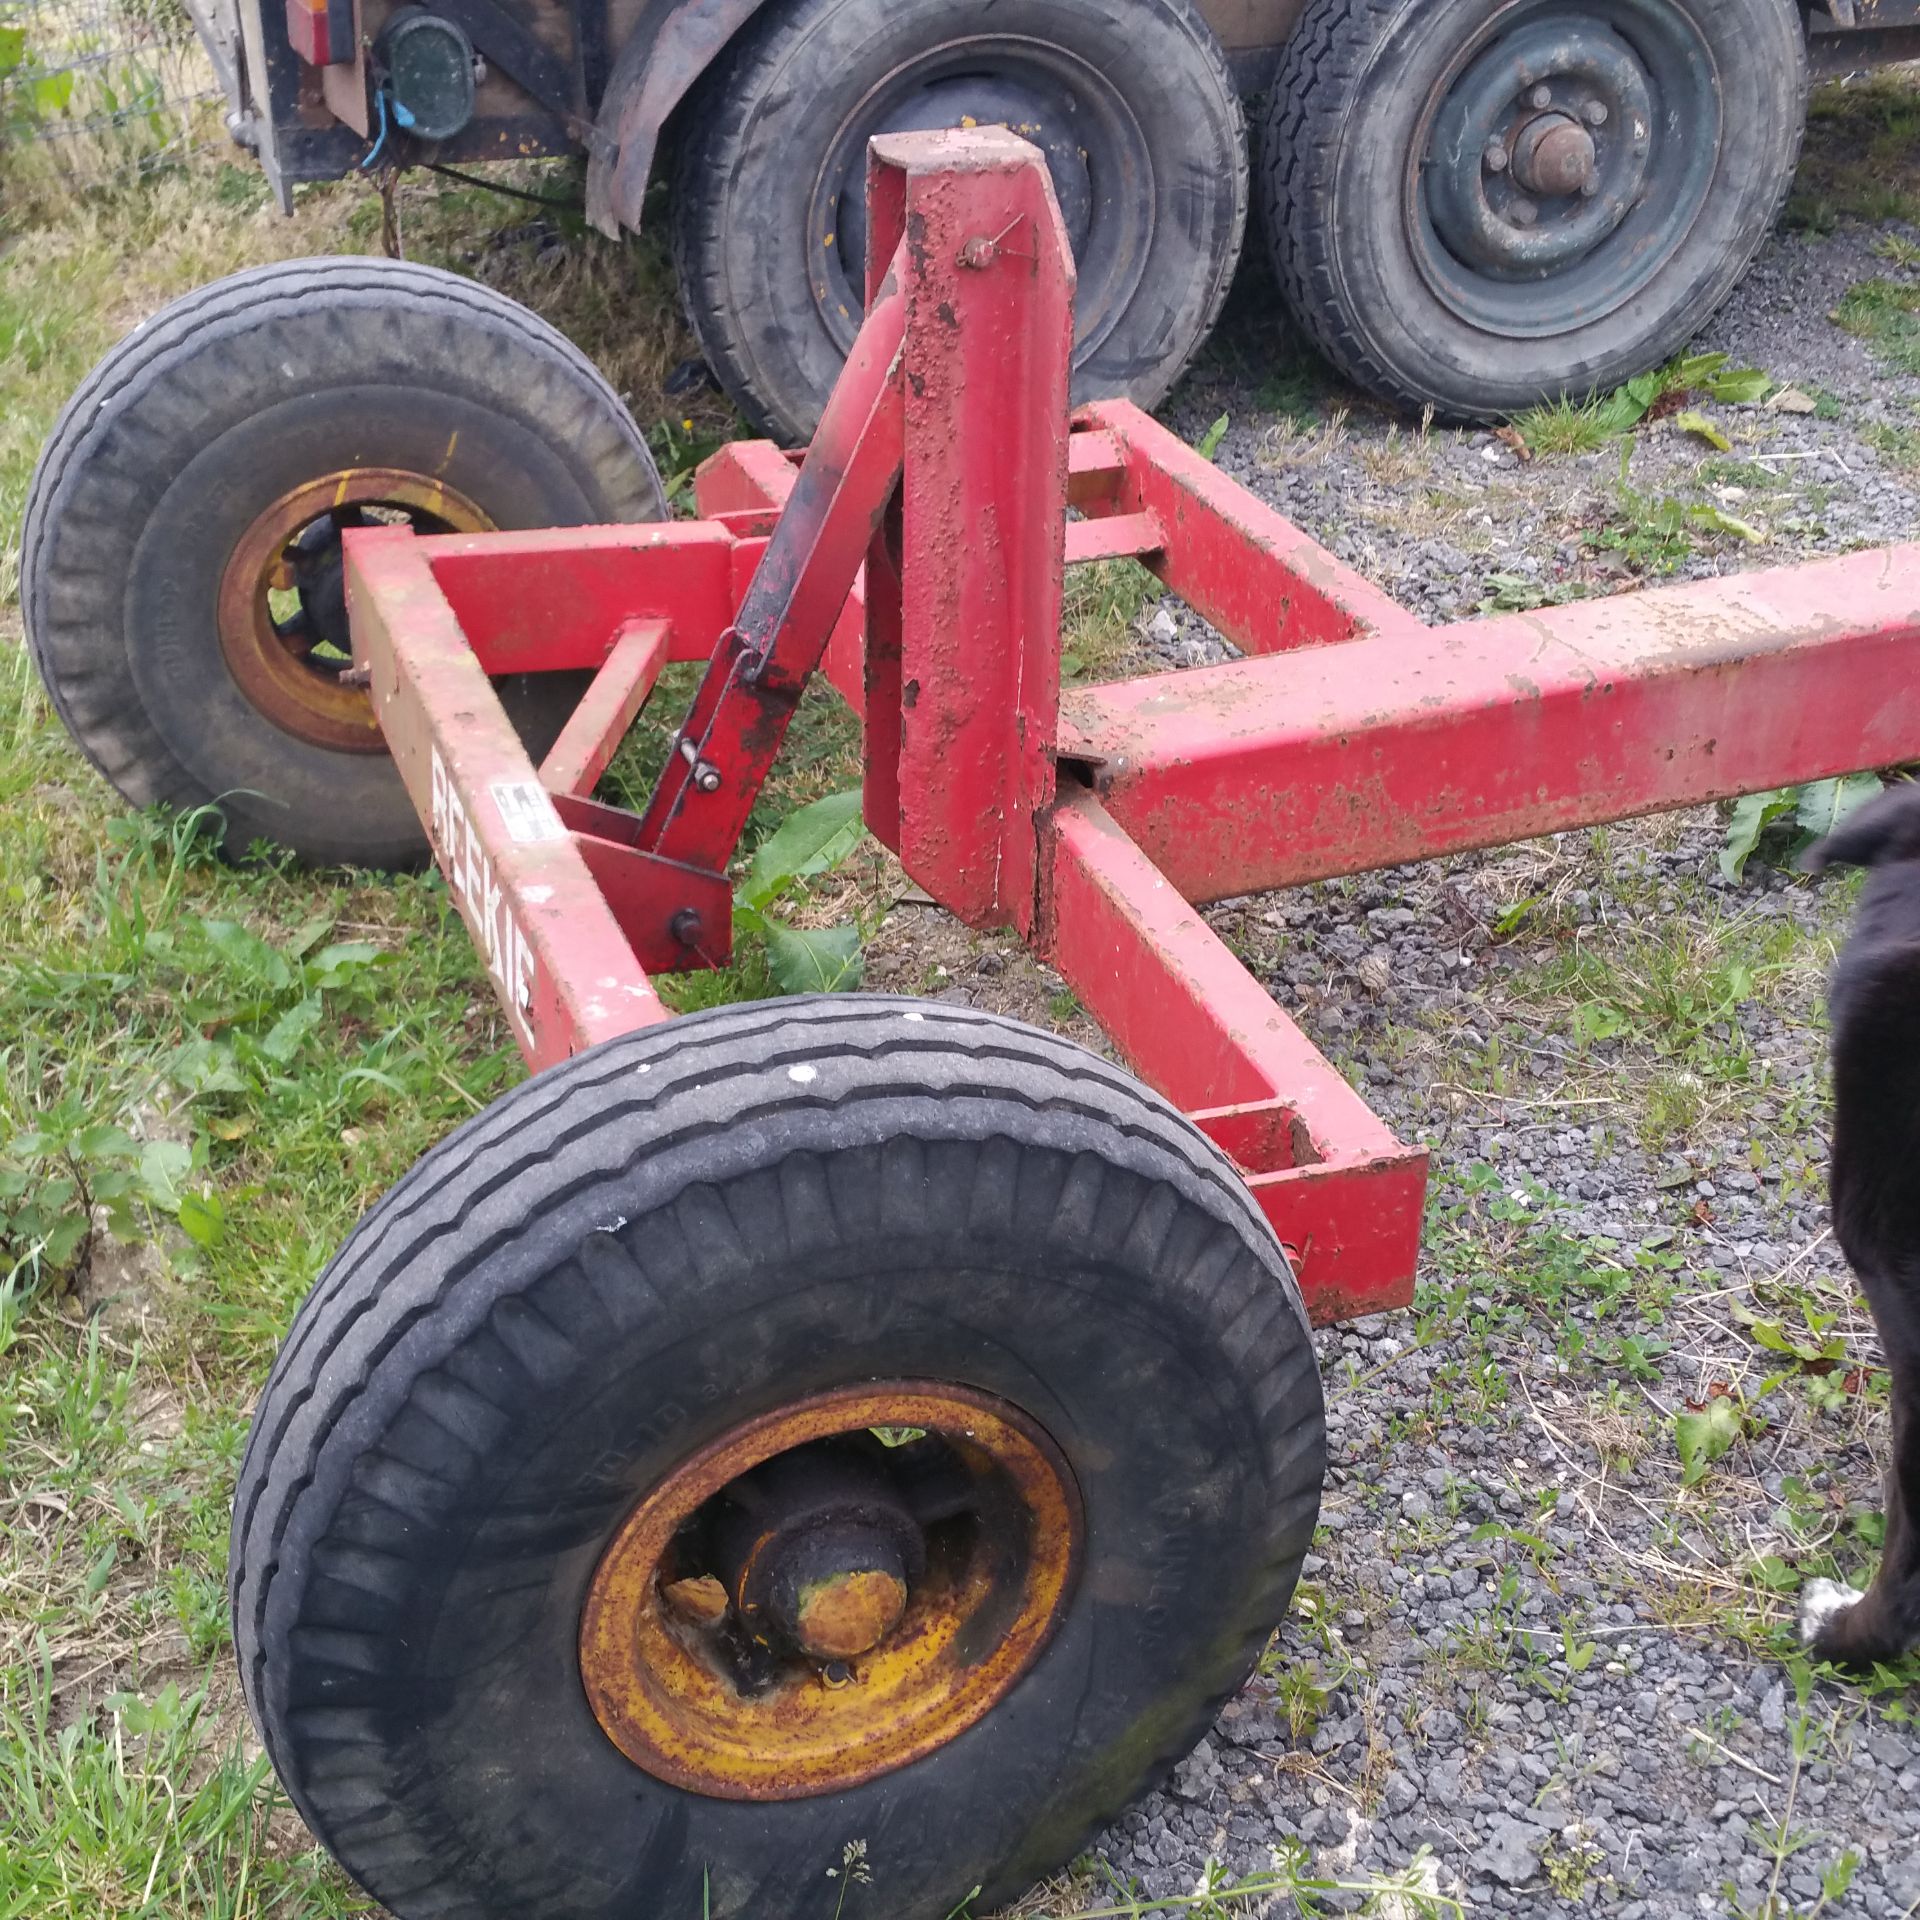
<point x="91" y="90"/>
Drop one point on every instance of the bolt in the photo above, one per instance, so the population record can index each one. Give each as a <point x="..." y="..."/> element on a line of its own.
<point x="1589" y="189"/>
<point x="1596" y="113"/>
<point x="1496" y="157"/>
<point x="1541" y="96"/>
<point x="356" y="676"/>
<point x="686" y="926"/>
<point x="706" y="776"/>
<point x="1523" y="213"/>
<point x="979" y="252"/>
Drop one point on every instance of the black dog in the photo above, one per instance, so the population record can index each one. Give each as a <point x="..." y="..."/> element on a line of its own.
<point x="1875" y="1003"/>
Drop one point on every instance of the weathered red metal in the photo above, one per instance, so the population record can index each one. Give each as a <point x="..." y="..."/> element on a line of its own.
<point x="764" y="659"/>
<point x="1401" y="746"/>
<point x="989" y="342"/>
<point x="563" y="969"/>
<point x="1342" y="1193"/>
<point x="607" y="709"/>
<point x="1362" y="738"/>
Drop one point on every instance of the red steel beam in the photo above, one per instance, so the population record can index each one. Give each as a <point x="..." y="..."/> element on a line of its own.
<point x="529" y="602"/>
<point x="989" y="334"/>
<point x="1344" y="1196"/>
<point x="1240" y="565"/>
<point x="607" y="709"/>
<point x="561" y="965"/>
<point x="1400" y="747"/>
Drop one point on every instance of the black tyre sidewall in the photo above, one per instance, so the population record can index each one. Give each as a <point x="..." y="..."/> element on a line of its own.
<point x="222" y="404"/>
<point x="1121" y="1303"/>
<point x="767" y="115"/>
<point x="1335" y="219"/>
<point x="269" y="784"/>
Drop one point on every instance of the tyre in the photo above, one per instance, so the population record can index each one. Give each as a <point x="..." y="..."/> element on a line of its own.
<point x="181" y="571"/>
<point x="1478" y="205"/>
<point x="1131" y="103"/>
<point x="843" y="1436"/>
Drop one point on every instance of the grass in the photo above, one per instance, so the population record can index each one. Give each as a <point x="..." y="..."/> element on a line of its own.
<point x="1861" y="160"/>
<point x="1886" y="314"/>
<point x="75" y="275"/>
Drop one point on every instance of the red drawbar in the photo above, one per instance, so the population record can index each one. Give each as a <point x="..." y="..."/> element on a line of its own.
<point x="916" y="557"/>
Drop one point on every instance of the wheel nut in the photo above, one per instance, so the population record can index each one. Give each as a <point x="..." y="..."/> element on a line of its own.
<point x="1541" y="96"/>
<point x="1496" y="158"/>
<point x="1596" y="113"/>
<point x="1523" y="213"/>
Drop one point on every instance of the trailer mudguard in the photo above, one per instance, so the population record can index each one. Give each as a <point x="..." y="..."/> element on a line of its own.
<point x="673" y="44"/>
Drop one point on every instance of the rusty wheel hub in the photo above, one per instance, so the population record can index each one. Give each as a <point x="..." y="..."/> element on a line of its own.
<point x="831" y="1591"/>
<point x="282" y="603"/>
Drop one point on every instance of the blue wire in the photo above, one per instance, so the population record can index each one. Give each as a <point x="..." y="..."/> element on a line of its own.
<point x="400" y="113"/>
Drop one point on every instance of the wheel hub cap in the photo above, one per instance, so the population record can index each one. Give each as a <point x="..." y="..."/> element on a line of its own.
<point x="1563" y="162"/>
<point x="803" y="1605"/>
<point x="1553" y="155"/>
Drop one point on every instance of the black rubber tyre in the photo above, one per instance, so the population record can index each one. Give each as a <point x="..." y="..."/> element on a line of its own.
<point x="687" y="1228"/>
<point x="1130" y="99"/>
<point x="1433" y="267"/>
<point x="229" y="400"/>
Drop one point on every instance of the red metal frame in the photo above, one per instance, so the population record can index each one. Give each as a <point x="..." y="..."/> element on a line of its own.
<point x="916" y="557"/>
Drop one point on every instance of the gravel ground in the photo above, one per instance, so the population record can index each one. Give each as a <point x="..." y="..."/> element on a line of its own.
<point x="1530" y="1665"/>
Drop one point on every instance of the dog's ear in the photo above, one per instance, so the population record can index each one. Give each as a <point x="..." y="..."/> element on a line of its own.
<point x="1884" y="830"/>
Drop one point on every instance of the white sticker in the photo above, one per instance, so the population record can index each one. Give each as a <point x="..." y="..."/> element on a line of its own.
<point x="476" y="889"/>
<point x="526" y="812"/>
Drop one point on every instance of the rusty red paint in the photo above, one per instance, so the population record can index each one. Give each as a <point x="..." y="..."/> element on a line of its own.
<point x="983" y="510"/>
<point x="1240" y="565"/>
<point x="1402" y="746"/>
<point x="762" y="662"/>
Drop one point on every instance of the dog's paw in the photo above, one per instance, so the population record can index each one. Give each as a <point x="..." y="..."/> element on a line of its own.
<point x="1820" y="1601"/>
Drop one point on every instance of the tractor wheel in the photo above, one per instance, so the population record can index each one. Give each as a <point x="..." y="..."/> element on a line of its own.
<point x="181" y="562"/>
<point x="1130" y="101"/>
<point x="1477" y="205"/>
<point x="800" y="1460"/>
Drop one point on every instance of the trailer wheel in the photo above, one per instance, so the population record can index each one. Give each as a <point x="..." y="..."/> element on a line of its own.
<point x="1476" y="205"/>
<point x="181" y="566"/>
<point x="850" y="1433"/>
<point x="1130" y="101"/>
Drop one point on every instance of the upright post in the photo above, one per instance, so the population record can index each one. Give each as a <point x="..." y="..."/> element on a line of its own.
<point x="970" y="661"/>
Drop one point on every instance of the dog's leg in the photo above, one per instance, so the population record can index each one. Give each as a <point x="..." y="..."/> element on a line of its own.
<point x="1883" y="1623"/>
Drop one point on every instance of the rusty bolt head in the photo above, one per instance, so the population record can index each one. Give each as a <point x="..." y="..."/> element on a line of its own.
<point x="1495" y="157"/>
<point x="686" y="926"/>
<point x="1523" y="213"/>
<point x="1596" y="113"/>
<point x="979" y="252"/>
<point x="1541" y="96"/>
